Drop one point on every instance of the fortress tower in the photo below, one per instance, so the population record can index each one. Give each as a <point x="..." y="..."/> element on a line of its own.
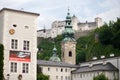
<point x="98" y="21"/>
<point x="74" y="22"/>
<point x="68" y="43"/>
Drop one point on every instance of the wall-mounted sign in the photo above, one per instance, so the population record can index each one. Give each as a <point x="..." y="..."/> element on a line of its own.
<point x="20" y="56"/>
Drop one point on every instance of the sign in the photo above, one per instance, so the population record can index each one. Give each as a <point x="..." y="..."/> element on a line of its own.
<point x="20" y="56"/>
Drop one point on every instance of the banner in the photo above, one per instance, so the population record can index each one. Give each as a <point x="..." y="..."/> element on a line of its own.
<point x="20" y="56"/>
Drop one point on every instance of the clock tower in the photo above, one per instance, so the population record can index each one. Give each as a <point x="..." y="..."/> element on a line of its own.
<point x="68" y="45"/>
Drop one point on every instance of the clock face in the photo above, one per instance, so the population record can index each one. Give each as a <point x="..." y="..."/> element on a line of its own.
<point x="11" y="31"/>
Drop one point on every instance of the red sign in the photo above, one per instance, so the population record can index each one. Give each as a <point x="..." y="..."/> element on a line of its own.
<point x="20" y="56"/>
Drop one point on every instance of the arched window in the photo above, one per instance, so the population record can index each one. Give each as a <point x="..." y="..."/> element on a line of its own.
<point x="70" y="54"/>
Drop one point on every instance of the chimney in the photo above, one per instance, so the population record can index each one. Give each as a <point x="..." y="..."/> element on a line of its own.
<point x="112" y="55"/>
<point x="90" y="65"/>
<point x="102" y="57"/>
<point x="104" y="62"/>
<point x="94" y="58"/>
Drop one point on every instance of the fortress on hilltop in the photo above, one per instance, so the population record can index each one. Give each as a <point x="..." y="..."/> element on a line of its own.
<point x="59" y="26"/>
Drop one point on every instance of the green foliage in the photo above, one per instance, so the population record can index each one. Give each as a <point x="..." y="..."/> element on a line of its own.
<point x="105" y="34"/>
<point x="42" y="77"/>
<point x="100" y="77"/>
<point x="107" y="42"/>
<point x="46" y="46"/>
<point x="116" y="33"/>
<point x="1" y="61"/>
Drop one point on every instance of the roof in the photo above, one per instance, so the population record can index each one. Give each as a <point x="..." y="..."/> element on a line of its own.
<point x="8" y="9"/>
<point x="97" y="67"/>
<point x="101" y="59"/>
<point x="55" y="63"/>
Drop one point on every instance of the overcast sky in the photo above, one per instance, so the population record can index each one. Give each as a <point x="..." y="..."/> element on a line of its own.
<point x="51" y="10"/>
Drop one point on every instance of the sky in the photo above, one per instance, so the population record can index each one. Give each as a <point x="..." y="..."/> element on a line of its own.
<point x="52" y="10"/>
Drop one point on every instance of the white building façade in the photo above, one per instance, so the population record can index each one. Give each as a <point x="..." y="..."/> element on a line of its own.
<point x="19" y="37"/>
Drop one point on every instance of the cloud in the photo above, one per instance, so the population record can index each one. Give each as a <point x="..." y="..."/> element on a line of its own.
<point x="13" y="3"/>
<point x="110" y="4"/>
<point x="51" y="10"/>
<point x="110" y="15"/>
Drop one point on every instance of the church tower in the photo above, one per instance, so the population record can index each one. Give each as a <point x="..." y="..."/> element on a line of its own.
<point x="68" y="45"/>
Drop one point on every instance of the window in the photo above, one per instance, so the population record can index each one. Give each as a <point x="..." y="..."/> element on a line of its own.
<point x="56" y="77"/>
<point x="13" y="67"/>
<point x="56" y="69"/>
<point x="65" y="77"/>
<point x="26" y="45"/>
<point x="61" y="77"/>
<point x="65" y="70"/>
<point x="14" y="43"/>
<point x="14" y="25"/>
<point x="26" y="27"/>
<point x="70" y="54"/>
<point x="81" y="75"/>
<point x="61" y="70"/>
<point x="48" y="69"/>
<point x="25" y="68"/>
<point x="69" y="78"/>
<point x="68" y="23"/>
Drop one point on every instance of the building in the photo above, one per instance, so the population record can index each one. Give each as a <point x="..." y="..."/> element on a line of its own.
<point x="56" y="70"/>
<point x="115" y="61"/>
<point x="58" y="27"/>
<point x="67" y="68"/>
<point x="68" y="44"/>
<point x="90" y="71"/>
<point x="45" y="33"/>
<point x="19" y="37"/>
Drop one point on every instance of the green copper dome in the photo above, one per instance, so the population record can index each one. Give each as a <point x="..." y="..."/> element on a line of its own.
<point x="55" y="56"/>
<point x="54" y="49"/>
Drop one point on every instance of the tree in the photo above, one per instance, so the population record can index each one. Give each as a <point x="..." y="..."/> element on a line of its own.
<point x="116" y="33"/>
<point x="100" y="77"/>
<point x="42" y="77"/>
<point x="1" y="61"/>
<point x="105" y="34"/>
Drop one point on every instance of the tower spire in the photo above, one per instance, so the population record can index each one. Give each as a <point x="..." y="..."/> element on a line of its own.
<point x="68" y="47"/>
<point x="68" y="33"/>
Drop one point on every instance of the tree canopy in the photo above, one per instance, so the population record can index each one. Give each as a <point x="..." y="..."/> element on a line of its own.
<point x="1" y="61"/>
<point x="100" y="77"/>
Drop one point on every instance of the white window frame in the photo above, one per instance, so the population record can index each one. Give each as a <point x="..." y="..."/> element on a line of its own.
<point x="25" y="68"/>
<point x="26" y="45"/>
<point x="13" y="67"/>
<point x="14" y="43"/>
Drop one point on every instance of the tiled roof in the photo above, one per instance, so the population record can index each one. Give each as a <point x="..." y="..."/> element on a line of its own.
<point x="97" y="67"/>
<point x="55" y="63"/>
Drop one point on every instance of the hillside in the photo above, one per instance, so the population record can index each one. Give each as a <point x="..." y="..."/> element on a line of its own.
<point x="102" y="41"/>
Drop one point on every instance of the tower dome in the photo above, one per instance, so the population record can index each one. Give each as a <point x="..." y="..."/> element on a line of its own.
<point x="68" y="33"/>
<point x="54" y="57"/>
